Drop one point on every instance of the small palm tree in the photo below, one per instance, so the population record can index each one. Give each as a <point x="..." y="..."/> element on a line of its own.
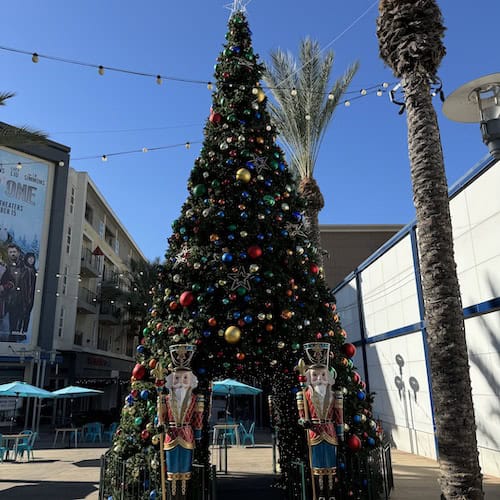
<point x="305" y="103"/>
<point x="18" y="136"/>
<point x="410" y="34"/>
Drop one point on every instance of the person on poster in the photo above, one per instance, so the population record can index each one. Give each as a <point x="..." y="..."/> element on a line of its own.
<point x="14" y="304"/>
<point x="6" y="285"/>
<point x="180" y="411"/>
<point x="320" y="409"/>
<point x="28" y="281"/>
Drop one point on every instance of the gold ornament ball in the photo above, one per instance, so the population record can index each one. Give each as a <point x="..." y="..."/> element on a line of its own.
<point x="232" y="334"/>
<point x="260" y="95"/>
<point x="155" y="439"/>
<point x="243" y="175"/>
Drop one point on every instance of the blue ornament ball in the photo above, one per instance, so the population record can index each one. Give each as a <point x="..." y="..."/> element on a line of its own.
<point x="202" y="371"/>
<point x="357" y="419"/>
<point x="227" y="257"/>
<point x="370" y="441"/>
<point x="140" y="349"/>
<point x="144" y="394"/>
<point x="153" y="495"/>
<point x="361" y="395"/>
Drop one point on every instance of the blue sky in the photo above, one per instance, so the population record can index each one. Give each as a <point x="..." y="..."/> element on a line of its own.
<point x="363" y="167"/>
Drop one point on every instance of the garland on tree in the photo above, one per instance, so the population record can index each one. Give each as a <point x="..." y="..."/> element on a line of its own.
<point x="241" y="282"/>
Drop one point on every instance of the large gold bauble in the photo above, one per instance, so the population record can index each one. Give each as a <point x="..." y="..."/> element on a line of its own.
<point x="155" y="439"/>
<point x="260" y="95"/>
<point x="243" y="175"/>
<point x="232" y="334"/>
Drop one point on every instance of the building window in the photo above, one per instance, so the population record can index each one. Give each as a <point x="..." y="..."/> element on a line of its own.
<point x="72" y="200"/>
<point x="61" y="324"/>
<point x="102" y="228"/>
<point x="89" y="214"/>
<point x="68" y="240"/>
<point x="65" y="280"/>
<point x="117" y="246"/>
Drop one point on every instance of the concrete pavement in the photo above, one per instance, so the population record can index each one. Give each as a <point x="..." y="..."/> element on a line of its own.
<point x="73" y="474"/>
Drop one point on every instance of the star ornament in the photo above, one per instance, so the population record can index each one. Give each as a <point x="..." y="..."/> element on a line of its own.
<point x="295" y="230"/>
<point x="239" y="278"/>
<point x="182" y="257"/>
<point x="260" y="164"/>
<point x="237" y="6"/>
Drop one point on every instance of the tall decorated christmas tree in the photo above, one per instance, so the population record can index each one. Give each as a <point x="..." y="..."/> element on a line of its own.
<point x="241" y="284"/>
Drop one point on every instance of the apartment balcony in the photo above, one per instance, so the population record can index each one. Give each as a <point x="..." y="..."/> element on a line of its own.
<point x="78" y="340"/>
<point x="87" y="301"/>
<point x="109" y="314"/>
<point x="90" y="266"/>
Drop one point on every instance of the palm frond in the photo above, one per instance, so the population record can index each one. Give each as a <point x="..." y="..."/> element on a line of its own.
<point x="302" y="120"/>
<point x="4" y="96"/>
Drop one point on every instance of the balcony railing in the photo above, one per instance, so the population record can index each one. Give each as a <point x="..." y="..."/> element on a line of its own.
<point x="109" y="314"/>
<point x="90" y="266"/>
<point x="87" y="301"/>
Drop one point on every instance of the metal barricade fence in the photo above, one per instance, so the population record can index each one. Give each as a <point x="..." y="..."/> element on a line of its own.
<point x="119" y="482"/>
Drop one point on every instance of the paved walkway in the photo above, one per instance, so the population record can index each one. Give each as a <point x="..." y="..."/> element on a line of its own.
<point x="69" y="474"/>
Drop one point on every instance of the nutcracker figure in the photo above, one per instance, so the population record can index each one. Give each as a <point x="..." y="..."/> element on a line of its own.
<point x="320" y="408"/>
<point x="180" y="412"/>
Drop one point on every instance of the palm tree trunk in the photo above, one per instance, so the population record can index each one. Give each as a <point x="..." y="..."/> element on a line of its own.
<point x="454" y="412"/>
<point x="310" y="192"/>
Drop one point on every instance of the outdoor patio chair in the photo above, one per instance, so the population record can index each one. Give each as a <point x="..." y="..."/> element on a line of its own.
<point x="92" y="432"/>
<point x="27" y="445"/>
<point x="3" y="449"/>
<point x="244" y="434"/>
<point x="108" y="435"/>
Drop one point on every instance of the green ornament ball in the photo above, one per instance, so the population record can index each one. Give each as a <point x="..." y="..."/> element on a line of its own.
<point x="199" y="190"/>
<point x="138" y="420"/>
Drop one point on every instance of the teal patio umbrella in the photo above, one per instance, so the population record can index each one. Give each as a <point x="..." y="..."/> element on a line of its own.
<point x="75" y="391"/>
<point x="230" y="387"/>
<point x="22" y="390"/>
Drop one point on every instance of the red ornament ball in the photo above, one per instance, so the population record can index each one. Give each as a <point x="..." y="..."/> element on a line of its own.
<point x="349" y="350"/>
<point x="314" y="268"/>
<point x="186" y="299"/>
<point x="255" y="252"/>
<point x="139" y="371"/>
<point x="215" y="118"/>
<point x="145" y="434"/>
<point x="240" y="356"/>
<point x="354" y="443"/>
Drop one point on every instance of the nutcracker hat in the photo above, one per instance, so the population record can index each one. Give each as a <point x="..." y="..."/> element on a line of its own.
<point x="318" y="354"/>
<point x="181" y="355"/>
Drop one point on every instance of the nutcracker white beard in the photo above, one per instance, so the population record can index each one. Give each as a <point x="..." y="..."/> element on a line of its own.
<point x="320" y="388"/>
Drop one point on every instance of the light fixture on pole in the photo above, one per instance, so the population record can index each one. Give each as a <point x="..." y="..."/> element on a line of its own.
<point x="478" y="102"/>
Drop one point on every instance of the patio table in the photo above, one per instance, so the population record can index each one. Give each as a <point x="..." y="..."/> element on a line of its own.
<point x="225" y="427"/>
<point x="6" y="438"/>
<point x="63" y="430"/>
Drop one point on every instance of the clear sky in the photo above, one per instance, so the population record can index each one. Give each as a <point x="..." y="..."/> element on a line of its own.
<point x="363" y="167"/>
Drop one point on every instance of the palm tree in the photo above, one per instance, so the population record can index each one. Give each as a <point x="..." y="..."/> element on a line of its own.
<point x="410" y="34"/>
<point x="304" y="107"/>
<point x="17" y="136"/>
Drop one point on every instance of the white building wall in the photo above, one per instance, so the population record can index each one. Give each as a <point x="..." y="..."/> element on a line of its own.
<point x="389" y="291"/>
<point x="396" y="360"/>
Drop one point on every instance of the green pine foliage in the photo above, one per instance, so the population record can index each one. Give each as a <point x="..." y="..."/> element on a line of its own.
<point x="240" y="280"/>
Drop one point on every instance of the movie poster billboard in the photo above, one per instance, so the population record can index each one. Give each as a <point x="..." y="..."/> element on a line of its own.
<point x="23" y="193"/>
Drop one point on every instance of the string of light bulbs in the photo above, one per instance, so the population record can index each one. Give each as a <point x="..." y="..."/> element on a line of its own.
<point x="159" y="78"/>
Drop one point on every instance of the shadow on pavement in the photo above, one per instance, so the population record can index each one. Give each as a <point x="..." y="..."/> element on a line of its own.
<point x="96" y="462"/>
<point x="246" y="486"/>
<point x="39" y="490"/>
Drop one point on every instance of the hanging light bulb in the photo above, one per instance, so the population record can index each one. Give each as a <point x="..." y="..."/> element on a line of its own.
<point x="347" y="104"/>
<point x="379" y="92"/>
<point x="100" y="70"/>
<point x="209" y="86"/>
<point x="158" y="79"/>
<point x="35" y="57"/>
<point x="363" y="92"/>
<point x="307" y="117"/>
<point x="144" y="150"/>
<point x="188" y="145"/>
<point x="293" y="92"/>
<point x="19" y="165"/>
<point x="330" y="97"/>
<point x="61" y="163"/>
<point x="104" y="158"/>
<point x="385" y="85"/>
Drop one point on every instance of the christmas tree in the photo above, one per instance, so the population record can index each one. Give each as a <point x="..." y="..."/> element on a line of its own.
<point x="240" y="282"/>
